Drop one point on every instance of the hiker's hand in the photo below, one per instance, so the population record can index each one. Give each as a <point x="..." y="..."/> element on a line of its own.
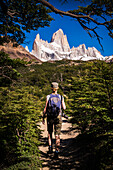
<point x="43" y="121"/>
<point x="64" y="115"/>
<point x="43" y="118"/>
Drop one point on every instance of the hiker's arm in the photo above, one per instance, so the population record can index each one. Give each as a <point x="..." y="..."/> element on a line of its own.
<point x="45" y="106"/>
<point x="64" y="107"/>
<point x="63" y="104"/>
<point x="44" y="112"/>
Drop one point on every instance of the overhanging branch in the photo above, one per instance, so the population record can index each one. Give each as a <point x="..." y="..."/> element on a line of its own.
<point x="91" y="29"/>
<point x="83" y="19"/>
<point x="67" y="13"/>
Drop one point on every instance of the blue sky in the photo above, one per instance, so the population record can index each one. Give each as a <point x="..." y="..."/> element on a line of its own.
<point x="75" y="33"/>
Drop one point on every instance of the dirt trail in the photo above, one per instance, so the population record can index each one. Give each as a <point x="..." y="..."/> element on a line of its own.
<point x="65" y="161"/>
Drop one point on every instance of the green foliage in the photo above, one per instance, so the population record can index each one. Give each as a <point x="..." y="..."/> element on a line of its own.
<point x="88" y="91"/>
<point x="8" y="72"/>
<point x="92" y="106"/>
<point x="6" y="60"/>
<point x="19" y="16"/>
<point x="19" y="127"/>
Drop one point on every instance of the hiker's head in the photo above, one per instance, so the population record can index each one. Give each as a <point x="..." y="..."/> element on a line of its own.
<point x="54" y="86"/>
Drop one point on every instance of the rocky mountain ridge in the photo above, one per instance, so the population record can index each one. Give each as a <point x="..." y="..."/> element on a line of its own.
<point x="59" y="49"/>
<point x="18" y="52"/>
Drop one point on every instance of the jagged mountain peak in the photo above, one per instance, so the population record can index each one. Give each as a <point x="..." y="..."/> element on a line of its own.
<point x="59" y="31"/>
<point x="61" y="39"/>
<point x="37" y="37"/>
<point x="58" y="34"/>
<point x="59" y="49"/>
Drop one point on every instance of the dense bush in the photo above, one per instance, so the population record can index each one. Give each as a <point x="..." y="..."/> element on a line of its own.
<point x="19" y="120"/>
<point x="92" y="107"/>
<point x="8" y="72"/>
<point x="19" y="129"/>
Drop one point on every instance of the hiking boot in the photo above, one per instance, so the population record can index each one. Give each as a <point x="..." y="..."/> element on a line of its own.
<point x="56" y="155"/>
<point x="50" y="150"/>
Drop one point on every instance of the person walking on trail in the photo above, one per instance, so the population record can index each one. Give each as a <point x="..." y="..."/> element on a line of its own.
<point x="53" y="108"/>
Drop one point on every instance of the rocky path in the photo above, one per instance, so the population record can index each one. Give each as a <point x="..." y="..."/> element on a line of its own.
<point x="67" y="157"/>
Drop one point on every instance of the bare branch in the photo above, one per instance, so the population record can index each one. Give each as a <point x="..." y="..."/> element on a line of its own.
<point x="2" y="70"/>
<point x="57" y="11"/>
<point x="10" y="67"/>
<point x="91" y="29"/>
<point x="84" y="19"/>
<point x="3" y="75"/>
<point x="67" y="13"/>
<point x="11" y="13"/>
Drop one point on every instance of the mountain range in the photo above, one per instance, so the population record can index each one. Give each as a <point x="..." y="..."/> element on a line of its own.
<point x="59" y="49"/>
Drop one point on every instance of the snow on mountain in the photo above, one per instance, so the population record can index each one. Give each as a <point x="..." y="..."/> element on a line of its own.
<point x="59" y="49"/>
<point x="109" y="58"/>
<point x="26" y="48"/>
<point x="46" y="50"/>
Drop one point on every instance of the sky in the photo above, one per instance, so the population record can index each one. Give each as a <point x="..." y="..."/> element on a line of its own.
<point x="76" y="35"/>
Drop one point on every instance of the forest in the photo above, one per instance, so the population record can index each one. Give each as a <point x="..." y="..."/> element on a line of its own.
<point x="88" y="91"/>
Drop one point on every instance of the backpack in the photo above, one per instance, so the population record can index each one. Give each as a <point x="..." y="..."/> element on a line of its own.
<point x="54" y="105"/>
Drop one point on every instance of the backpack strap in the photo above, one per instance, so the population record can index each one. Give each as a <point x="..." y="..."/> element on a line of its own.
<point x="61" y="101"/>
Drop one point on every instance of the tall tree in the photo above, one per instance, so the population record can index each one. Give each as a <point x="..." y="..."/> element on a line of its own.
<point x="25" y="15"/>
<point x="19" y="16"/>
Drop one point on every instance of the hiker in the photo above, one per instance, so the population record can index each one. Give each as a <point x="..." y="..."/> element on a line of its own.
<point x="54" y="116"/>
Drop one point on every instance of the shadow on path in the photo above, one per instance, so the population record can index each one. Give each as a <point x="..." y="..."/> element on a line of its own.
<point x="74" y="154"/>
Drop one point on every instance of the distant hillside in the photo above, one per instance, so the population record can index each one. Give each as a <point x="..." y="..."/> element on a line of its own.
<point x="18" y="52"/>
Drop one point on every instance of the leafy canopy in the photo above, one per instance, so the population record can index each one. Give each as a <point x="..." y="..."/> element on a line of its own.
<point x="19" y="16"/>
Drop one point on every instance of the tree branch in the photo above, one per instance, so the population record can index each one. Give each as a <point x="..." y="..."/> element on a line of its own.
<point x="91" y="29"/>
<point x="3" y="71"/>
<point x="57" y="11"/>
<point x="84" y="19"/>
<point x="67" y="13"/>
